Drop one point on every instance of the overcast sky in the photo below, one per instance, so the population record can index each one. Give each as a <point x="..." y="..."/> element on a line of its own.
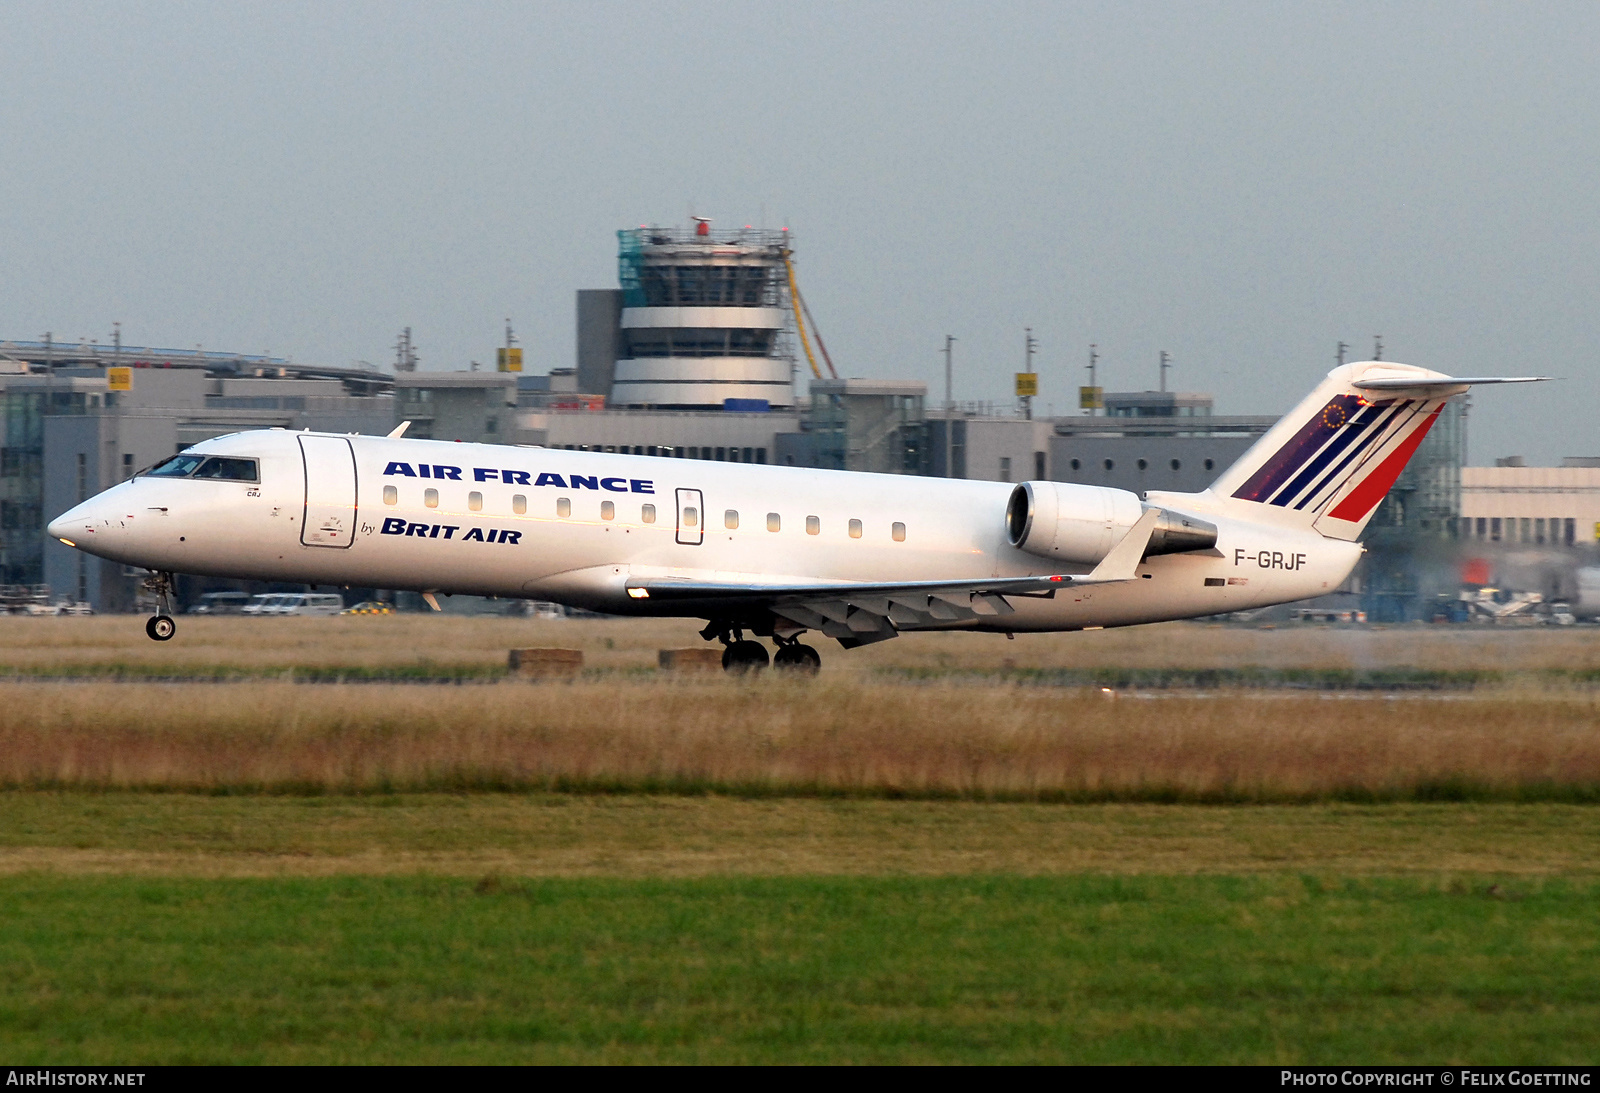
<point x="1242" y="185"/>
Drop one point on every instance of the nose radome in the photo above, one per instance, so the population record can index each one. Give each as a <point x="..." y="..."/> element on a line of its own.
<point x="64" y="525"/>
<point x="86" y="525"/>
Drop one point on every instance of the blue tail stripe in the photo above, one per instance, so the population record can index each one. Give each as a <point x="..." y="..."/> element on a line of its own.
<point x="1284" y="463"/>
<point x="1367" y="423"/>
<point x="1374" y="436"/>
<point x="1340" y="441"/>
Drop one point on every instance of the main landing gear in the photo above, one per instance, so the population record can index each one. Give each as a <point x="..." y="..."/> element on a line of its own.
<point x="797" y="658"/>
<point x="741" y="656"/>
<point x="160" y="626"/>
<point x="744" y="658"/>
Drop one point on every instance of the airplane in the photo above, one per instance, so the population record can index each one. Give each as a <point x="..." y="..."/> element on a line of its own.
<point x="775" y="552"/>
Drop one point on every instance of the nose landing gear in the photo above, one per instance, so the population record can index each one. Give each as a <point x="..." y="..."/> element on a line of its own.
<point x="160" y="626"/>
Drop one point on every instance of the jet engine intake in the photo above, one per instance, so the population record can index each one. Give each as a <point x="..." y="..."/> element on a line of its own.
<point x="1077" y="523"/>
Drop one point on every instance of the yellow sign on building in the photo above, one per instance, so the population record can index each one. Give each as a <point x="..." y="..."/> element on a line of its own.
<point x="1091" y="398"/>
<point x="508" y="360"/>
<point x="1027" y="384"/>
<point x="119" y="379"/>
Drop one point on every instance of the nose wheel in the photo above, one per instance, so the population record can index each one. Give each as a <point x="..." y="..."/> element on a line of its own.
<point x="160" y="626"/>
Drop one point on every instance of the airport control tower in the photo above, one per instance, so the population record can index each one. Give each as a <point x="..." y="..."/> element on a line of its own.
<point x="702" y="319"/>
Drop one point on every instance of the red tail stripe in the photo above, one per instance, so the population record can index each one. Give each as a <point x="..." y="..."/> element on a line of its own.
<point x="1365" y="497"/>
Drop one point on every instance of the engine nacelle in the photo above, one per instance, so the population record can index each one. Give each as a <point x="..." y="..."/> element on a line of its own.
<point x="1076" y="523"/>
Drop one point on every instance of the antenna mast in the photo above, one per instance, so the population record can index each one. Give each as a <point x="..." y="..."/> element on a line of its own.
<point x="949" y="377"/>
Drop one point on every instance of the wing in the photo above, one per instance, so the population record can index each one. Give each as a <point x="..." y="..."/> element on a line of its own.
<point x="858" y="613"/>
<point x="855" y="613"/>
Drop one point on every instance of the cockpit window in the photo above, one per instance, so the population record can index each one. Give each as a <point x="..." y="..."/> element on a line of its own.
<point x="224" y="468"/>
<point x="179" y="466"/>
<point x="228" y="468"/>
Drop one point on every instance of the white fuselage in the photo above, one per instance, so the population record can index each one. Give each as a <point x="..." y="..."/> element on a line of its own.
<point x="432" y="516"/>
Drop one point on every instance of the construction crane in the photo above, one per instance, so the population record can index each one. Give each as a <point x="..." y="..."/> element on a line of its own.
<point x="802" y="313"/>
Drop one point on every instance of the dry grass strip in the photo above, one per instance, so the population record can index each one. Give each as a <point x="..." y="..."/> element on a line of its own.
<point x="440" y="642"/>
<point x="772" y="737"/>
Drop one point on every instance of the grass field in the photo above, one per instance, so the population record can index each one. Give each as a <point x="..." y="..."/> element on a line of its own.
<point x="935" y="852"/>
<point x="971" y="969"/>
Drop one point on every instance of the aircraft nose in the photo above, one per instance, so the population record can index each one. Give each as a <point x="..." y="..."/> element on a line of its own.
<point x="63" y="526"/>
<point x="86" y="525"/>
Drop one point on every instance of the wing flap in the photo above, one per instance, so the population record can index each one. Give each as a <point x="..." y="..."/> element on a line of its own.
<point x="912" y="594"/>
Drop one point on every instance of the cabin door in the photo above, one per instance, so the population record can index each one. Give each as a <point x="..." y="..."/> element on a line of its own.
<point x="691" y="518"/>
<point x="330" y="513"/>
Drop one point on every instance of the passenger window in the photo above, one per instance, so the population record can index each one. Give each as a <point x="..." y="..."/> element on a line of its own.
<point x="647" y="514"/>
<point x="730" y="519"/>
<point x="899" y="531"/>
<point x="563" y="506"/>
<point x="855" y="529"/>
<point x="813" y="525"/>
<point x="475" y="501"/>
<point x="519" y="504"/>
<point x="391" y="496"/>
<point x="430" y="498"/>
<point x="691" y="516"/>
<point x="774" y="522"/>
<point x="608" y="510"/>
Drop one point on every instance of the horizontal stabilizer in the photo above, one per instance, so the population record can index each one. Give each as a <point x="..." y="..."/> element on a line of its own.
<point x="1406" y="383"/>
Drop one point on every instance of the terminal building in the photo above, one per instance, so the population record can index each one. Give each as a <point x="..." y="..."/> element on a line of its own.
<point x="692" y="357"/>
<point x="79" y="419"/>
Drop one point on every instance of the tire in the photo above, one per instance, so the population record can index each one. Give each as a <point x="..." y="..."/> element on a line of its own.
<point x="744" y="658"/>
<point x="800" y="660"/>
<point x="160" y="627"/>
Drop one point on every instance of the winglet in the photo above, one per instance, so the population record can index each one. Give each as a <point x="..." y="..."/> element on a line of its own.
<point x="398" y="431"/>
<point x="1122" y="564"/>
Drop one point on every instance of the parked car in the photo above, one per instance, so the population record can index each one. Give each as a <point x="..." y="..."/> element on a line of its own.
<point x="221" y="603"/>
<point x="310" y="603"/>
<point x="369" y="607"/>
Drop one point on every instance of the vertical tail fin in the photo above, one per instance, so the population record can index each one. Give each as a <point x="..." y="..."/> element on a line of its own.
<point x="1330" y="461"/>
